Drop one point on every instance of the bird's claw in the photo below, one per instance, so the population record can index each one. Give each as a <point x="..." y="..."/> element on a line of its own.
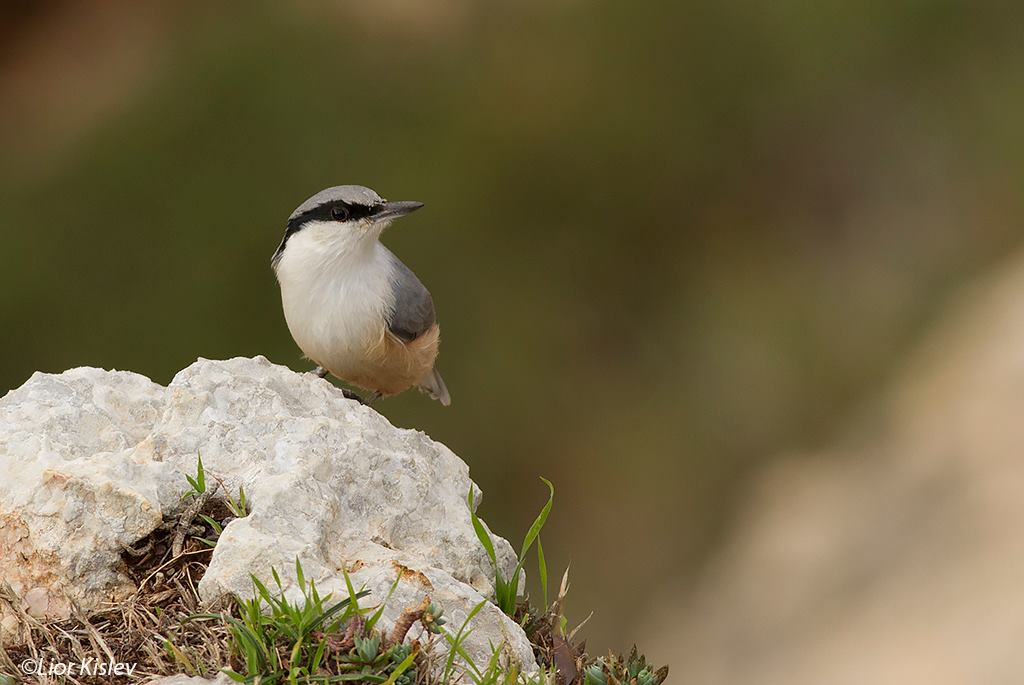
<point x="321" y="372"/>
<point x="353" y="396"/>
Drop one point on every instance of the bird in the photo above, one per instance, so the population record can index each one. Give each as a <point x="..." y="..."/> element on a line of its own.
<point x="353" y="307"/>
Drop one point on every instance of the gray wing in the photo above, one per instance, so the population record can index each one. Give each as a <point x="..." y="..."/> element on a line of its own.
<point x="414" y="307"/>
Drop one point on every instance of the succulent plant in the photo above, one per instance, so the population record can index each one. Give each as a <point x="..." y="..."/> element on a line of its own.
<point x="407" y="678"/>
<point x="367" y="649"/>
<point x="432" y="618"/>
<point x="396" y="655"/>
<point x="613" y="670"/>
<point x="398" y="652"/>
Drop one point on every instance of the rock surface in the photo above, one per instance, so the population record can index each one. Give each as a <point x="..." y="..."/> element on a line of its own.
<point x="91" y="461"/>
<point x="896" y="558"/>
<point x="191" y="680"/>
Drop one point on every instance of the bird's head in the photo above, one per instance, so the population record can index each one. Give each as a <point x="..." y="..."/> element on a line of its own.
<point x="345" y="216"/>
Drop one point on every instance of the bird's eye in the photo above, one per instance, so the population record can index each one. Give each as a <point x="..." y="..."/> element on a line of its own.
<point x="339" y="213"/>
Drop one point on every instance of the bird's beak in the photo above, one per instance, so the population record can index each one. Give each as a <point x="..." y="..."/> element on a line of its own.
<point x="393" y="210"/>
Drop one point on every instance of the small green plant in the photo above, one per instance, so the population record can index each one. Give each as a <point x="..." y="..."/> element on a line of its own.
<point x="315" y="640"/>
<point x="215" y="526"/>
<point x="433" y="618"/>
<point x="201" y="495"/>
<point x="240" y="507"/>
<point x="286" y="643"/>
<point x="199" y="482"/>
<point x="402" y="656"/>
<point x="614" y="670"/>
<point x="367" y="650"/>
<point x="506" y="590"/>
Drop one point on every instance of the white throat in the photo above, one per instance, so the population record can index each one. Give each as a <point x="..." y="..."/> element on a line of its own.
<point x="336" y="290"/>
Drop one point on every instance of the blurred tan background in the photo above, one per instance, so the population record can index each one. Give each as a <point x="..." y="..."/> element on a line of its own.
<point x="667" y="241"/>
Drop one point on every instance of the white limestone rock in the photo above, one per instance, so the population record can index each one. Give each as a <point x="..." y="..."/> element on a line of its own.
<point x="92" y="460"/>
<point x="191" y="680"/>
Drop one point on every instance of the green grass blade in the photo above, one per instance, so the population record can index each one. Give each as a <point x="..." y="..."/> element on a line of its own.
<point x="505" y="593"/>
<point x="481" y="532"/>
<point x="318" y="655"/>
<point x="352" y="594"/>
<point x="372" y="621"/>
<point x="251" y="643"/>
<point x="456" y="643"/>
<point x="459" y="650"/>
<point x="539" y="522"/>
<point x="179" y="656"/>
<point x="277" y="579"/>
<point x="214" y="523"/>
<point x="296" y="653"/>
<point x="533" y="533"/>
<point x="264" y="593"/>
<point x="542" y="572"/>
<point x="329" y="613"/>
<point x="492" y="672"/>
<point x="200" y="475"/>
<point x="401" y="668"/>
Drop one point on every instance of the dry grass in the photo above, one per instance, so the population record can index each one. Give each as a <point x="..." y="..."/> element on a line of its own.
<point x="134" y="630"/>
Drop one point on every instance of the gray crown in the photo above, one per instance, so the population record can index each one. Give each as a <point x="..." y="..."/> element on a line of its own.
<point x="353" y="195"/>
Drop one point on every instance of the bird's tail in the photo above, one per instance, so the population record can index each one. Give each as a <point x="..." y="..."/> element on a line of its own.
<point x="435" y="387"/>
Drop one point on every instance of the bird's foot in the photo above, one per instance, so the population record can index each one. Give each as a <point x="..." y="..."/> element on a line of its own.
<point x="365" y="401"/>
<point x="321" y="372"/>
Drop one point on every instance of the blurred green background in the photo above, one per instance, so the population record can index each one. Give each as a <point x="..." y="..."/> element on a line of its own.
<point x="665" y="240"/>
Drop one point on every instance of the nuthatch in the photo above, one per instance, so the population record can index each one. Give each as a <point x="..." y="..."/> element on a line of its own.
<point x="351" y="305"/>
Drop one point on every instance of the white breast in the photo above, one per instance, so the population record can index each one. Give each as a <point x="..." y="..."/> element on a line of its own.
<point x="336" y="292"/>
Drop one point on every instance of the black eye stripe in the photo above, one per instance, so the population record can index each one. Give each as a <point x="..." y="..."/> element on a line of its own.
<point x="324" y="213"/>
<point x="342" y="211"/>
